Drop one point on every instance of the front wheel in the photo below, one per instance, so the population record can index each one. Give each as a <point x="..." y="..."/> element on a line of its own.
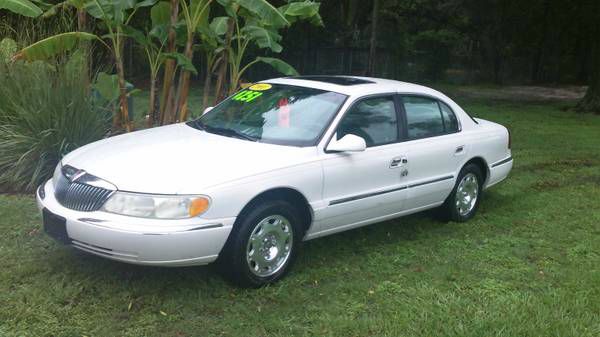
<point x="263" y="245"/>
<point x="462" y="203"/>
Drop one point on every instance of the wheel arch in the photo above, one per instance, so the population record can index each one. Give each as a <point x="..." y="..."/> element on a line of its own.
<point x="289" y="194"/>
<point x="482" y="164"/>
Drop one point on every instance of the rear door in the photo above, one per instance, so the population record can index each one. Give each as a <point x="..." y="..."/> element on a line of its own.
<point x="434" y="149"/>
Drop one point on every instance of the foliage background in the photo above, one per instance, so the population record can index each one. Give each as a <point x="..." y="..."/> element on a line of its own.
<point x="464" y="41"/>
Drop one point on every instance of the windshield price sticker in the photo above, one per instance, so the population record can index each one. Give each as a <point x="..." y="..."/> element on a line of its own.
<point x="247" y="96"/>
<point x="260" y="87"/>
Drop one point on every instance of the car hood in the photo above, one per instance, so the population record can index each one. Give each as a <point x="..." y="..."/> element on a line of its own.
<point x="178" y="159"/>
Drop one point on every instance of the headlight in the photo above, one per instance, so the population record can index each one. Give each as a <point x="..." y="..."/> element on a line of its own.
<point x="57" y="174"/>
<point x="156" y="206"/>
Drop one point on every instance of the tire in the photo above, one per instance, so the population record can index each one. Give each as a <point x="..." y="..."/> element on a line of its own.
<point x="263" y="245"/>
<point x="461" y="209"/>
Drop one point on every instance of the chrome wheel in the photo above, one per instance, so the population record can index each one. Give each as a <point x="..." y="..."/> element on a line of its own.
<point x="269" y="246"/>
<point x="466" y="194"/>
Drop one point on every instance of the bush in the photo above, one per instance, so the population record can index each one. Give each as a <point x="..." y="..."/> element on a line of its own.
<point x="46" y="111"/>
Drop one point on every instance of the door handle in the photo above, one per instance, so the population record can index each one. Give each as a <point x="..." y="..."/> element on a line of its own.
<point x="459" y="149"/>
<point x="398" y="162"/>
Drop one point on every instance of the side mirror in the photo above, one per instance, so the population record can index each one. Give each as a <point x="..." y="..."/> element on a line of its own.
<point x="207" y="110"/>
<point x="348" y="143"/>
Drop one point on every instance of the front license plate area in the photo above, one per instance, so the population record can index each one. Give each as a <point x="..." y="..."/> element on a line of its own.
<point x="55" y="226"/>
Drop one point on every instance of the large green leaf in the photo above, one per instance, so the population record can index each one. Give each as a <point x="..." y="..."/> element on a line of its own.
<point x="160" y="32"/>
<point x="161" y="14"/>
<point x="102" y="10"/>
<point x="21" y="7"/>
<point x="200" y="7"/>
<point x="219" y="25"/>
<point x="54" y="45"/>
<point x="113" y="11"/>
<point x="279" y="65"/>
<point x="230" y="7"/>
<point x="182" y="61"/>
<point x="79" y="4"/>
<point x="302" y="11"/>
<point x="264" y="38"/>
<point x="107" y="86"/>
<point x="137" y="35"/>
<point x="145" y="3"/>
<point x="262" y="8"/>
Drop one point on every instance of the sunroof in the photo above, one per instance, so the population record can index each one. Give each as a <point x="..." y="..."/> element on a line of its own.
<point x="340" y="80"/>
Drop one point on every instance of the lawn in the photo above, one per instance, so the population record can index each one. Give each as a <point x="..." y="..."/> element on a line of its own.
<point x="527" y="265"/>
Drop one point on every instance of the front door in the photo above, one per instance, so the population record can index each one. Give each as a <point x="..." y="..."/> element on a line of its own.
<point x="362" y="186"/>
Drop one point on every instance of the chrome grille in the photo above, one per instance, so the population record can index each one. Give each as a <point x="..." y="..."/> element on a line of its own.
<point x="79" y="194"/>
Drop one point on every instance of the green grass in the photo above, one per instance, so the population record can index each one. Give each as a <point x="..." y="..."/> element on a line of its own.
<point x="527" y="265"/>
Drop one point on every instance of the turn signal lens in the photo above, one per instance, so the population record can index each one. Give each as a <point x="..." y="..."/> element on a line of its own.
<point x="198" y="206"/>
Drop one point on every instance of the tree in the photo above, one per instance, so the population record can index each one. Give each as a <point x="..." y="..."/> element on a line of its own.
<point x="591" y="101"/>
<point x="373" y="40"/>
<point x="195" y="15"/>
<point x="258" y="23"/>
<point x="115" y="16"/>
<point x="212" y="38"/>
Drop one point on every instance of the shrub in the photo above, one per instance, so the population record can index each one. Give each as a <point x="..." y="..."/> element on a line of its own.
<point x="46" y="111"/>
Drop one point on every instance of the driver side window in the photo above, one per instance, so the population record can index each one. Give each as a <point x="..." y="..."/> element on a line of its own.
<point x="373" y="119"/>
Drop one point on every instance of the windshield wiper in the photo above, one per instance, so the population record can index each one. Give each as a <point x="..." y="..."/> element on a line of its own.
<point x="227" y="132"/>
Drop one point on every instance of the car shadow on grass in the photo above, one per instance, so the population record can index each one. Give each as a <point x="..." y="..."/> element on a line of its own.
<point x="333" y="250"/>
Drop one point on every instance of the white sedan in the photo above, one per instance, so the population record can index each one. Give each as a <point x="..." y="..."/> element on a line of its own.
<point x="283" y="161"/>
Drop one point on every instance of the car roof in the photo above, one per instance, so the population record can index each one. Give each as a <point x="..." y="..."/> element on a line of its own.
<point x="355" y="85"/>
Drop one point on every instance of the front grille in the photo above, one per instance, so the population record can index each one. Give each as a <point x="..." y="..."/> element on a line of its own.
<point x="78" y="195"/>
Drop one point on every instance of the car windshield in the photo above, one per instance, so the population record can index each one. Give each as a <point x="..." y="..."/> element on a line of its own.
<point x="274" y="113"/>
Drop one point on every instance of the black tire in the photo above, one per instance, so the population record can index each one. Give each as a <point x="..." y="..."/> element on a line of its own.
<point x="232" y="261"/>
<point x="449" y="210"/>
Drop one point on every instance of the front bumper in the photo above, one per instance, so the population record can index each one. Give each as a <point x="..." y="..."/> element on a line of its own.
<point x="158" y="242"/>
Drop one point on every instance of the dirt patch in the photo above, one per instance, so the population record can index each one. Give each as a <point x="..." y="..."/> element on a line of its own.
<point x="559" y="164"/>
<point x="546" y="185"/>
<point x="525" y="93"/>
<point x="590" y="180"/>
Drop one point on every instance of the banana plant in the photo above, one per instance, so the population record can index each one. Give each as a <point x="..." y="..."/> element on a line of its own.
<point x="116" y="15"/>
<point x="258" y="23"/>
<point x="212" y="40"/>
<point x="195" y="14"/>
<point x="153" y="43"/>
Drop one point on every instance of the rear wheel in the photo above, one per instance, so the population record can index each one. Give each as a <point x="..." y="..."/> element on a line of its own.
<point x="263" y="245"/>
<point x="462" y="203"/>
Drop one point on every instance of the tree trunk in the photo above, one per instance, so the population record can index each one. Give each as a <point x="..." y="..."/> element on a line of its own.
<point x="122" y="118"/>
<point x="207" y="83"/>
<point x="184" y="81"/>
<point x="224" y="64"/>
<point x="541" y="43"/>
<point x="373" y="42"/>
<point x="81" y="20"/>
<point x="591" y="101"/>
<point x="152" y="107"/>
<point x="169" y="76"/>
<point x="85" y="45"/>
